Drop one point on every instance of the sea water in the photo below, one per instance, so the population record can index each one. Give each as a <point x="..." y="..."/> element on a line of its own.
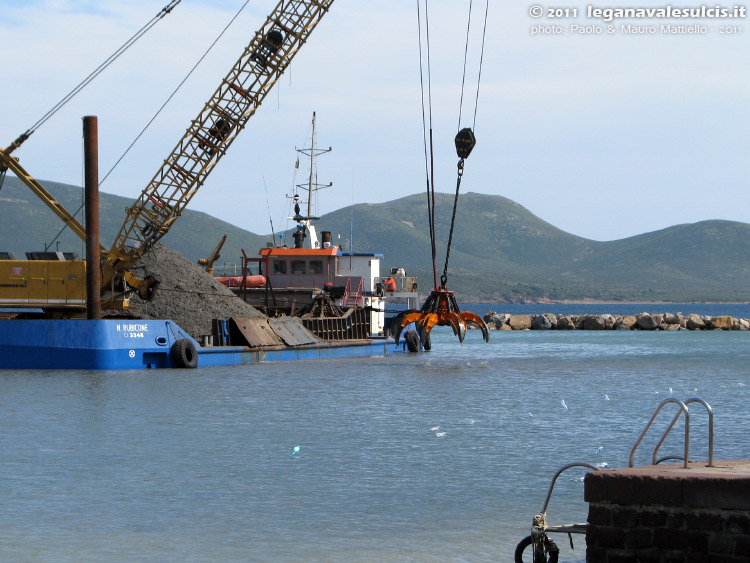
<point x="439" y="456"/>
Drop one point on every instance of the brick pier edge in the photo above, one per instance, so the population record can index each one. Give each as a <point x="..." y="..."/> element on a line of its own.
<point x="669" y="514"/>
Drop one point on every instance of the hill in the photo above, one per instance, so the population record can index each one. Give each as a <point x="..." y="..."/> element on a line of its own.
<point x="500" y="250"/>
<point x="503" y="252"/>
<point x="26" y="224"/>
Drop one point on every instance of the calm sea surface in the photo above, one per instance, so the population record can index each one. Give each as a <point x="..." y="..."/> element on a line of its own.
<point x="195" y="465"/>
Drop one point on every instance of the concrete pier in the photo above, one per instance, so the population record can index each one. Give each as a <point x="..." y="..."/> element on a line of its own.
<point x="667" y="513"/>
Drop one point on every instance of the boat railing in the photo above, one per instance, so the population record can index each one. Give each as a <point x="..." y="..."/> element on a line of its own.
<point x="404" y="284"/>
<point x="683" y="409"/>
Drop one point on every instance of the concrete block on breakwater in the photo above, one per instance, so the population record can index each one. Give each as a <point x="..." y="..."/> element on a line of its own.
<point x="643" y="321"/>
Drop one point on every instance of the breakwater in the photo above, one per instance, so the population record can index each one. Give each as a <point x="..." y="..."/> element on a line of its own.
<point x="642" y="321"/>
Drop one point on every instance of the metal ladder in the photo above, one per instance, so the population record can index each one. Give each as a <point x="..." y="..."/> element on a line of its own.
<point x="683" y="409"/>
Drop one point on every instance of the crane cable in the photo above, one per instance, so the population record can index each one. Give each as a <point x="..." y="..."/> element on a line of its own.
<point x="429" y="161"/>
<point x="169" y="98"/>
<point x="127" y="150"/>
<point x="97" y="71"/>
<point x="463" y="154"/>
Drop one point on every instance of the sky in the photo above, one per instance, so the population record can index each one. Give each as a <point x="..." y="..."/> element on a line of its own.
<point x="604" y="135"/>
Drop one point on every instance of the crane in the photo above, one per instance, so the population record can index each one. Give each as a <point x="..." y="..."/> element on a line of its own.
<point x="204" y="143"/>
<point x="208" y="263"/>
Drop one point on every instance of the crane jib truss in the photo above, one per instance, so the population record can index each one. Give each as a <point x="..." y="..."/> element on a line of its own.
<point x="211" y="133"/>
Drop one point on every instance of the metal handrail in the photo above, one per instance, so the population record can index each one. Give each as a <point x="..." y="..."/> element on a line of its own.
<point x="559" y="472"/>
<point x="683" y="408"/>
<point x="710" y="412"/>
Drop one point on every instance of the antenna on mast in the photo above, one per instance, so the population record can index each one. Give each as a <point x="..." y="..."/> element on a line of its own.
<point x="312" y="184"/>
<point x="311" y="187"/>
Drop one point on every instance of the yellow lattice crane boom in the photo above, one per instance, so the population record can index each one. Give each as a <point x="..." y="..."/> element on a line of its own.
<point x="211" y="133"/>
<point x="205" y="141"/>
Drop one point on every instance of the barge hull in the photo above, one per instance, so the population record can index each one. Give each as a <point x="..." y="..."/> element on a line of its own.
<point x="116" y="344"/>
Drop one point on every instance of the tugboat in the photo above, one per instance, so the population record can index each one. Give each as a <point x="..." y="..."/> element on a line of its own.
<point x="338" y="295"/>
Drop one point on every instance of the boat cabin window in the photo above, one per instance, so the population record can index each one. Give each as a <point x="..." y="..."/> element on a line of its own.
<point x="316" y="266"/>
<point x="298" y="266"/>
<point x="279" y="266"/>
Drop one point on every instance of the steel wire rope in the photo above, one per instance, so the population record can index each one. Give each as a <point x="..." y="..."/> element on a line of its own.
<point x="83" y="203"/>
<point x="429" y="160"/>
<point x="481" y="60"/>
<point x="463" y="75"/>
<point x="169" y="99"/>
<point x="98" y="70"/>
<point x="175" y="2"/>
<point x="444" y="277"/>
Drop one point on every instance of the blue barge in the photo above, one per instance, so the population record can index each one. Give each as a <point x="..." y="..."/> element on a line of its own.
<point x="134" y="344"/>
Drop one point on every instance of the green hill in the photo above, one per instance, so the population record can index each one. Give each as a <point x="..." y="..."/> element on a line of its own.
<point x="503" y="252"/>
<point x="500" y="250"/>
<point x="27" y="224"/>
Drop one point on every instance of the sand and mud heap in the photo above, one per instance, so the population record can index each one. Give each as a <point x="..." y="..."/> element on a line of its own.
<point x="188" y="295"/>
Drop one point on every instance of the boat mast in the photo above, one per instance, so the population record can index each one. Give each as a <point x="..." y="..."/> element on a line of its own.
<point x="312" y="158"/>
<point x="312" y="185"/>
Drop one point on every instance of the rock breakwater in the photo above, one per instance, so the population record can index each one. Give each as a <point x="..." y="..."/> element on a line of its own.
<point x="643" y="321"/>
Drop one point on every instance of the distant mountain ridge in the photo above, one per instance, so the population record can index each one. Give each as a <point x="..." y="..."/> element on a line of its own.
<point x="500" y="250"/>
<point x="27" y="224"/>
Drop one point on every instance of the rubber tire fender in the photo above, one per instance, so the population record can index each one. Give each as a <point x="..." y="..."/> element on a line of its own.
<point x="536" y="558"/>
<point x="184" y="354"/>
<point x="412" y="341"/>
<point x="520" y="548"/>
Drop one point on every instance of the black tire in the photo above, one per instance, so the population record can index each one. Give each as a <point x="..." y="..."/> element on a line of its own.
<point x="520" y="548"/>
<point x="427" y="344"/>
<point x="184" y="354"/>
<point x="412" y="341"/>
<point x="538" y="557"/>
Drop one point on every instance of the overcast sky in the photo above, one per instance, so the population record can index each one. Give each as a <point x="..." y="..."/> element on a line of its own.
<point x="604" y="136"/>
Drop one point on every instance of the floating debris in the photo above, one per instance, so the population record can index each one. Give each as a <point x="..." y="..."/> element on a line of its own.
<point x="606" y="397"/>
<point x="564" y="406"/>
<point x="295" y="450"/>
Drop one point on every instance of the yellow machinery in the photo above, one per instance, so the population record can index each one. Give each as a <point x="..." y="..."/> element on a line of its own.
<point x="43" y="283"/>
<point x="185" y="170"/>
<point x="208" y="263"/>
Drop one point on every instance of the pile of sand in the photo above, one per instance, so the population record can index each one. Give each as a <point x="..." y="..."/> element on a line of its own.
<point x="187" y="294"/>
